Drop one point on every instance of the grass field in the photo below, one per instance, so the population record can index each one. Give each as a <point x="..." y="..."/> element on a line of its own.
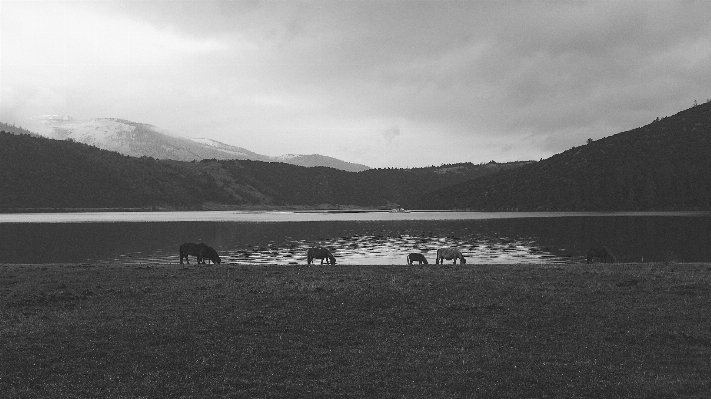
<point x="598" y="331"/>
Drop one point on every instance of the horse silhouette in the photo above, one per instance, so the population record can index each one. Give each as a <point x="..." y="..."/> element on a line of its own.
<point x="201" y="251"/>
<point x="450" y="253"/>
<point x="415" y="257"/>
<point x="603" y="253"/>
<point x="320" y="253"/>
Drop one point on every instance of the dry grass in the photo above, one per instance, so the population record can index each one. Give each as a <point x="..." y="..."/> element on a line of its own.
<point x="632" y="330"/>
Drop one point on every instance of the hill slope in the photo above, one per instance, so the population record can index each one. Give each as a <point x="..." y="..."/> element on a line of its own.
<point x="665" y="165"/>
<point x="44" y="173"/>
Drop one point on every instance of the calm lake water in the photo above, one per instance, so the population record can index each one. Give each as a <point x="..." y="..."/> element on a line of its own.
<point x="354" y="237"/>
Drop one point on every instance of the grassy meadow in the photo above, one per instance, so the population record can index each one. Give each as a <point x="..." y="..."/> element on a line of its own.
<point x="439" y="331"/>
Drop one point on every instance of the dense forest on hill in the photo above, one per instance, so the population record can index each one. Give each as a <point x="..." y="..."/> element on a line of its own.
<point x="665" y="165"/>
<point x="43" y="173"/>
<point x="37" y="172"/>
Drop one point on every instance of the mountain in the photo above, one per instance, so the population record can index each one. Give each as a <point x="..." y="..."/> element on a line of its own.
<point x="140" y="139"/>
<point x="37" y="172"/>
<point x="231" y="151"/>
<point x="313" y="160"/>
<point x="665" y="165"/>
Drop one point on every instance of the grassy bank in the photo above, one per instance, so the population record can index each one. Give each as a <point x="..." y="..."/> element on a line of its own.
<point x="633" y="330"/>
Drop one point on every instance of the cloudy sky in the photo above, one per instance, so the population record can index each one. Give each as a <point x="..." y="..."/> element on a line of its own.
<point x="399" y="83"/>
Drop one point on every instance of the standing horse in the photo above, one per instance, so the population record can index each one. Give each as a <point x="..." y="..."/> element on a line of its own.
<point x="415" y="257"/>
<point x="603" y="253"/>
<point x="320" y="253"/>
<point x="450" y="253"/>
<point x="200" y="251"/>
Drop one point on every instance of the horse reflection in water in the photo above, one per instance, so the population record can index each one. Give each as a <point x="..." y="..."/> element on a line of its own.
<point x="201" y="251"/>
<point x="602" y="253"/>
<point x="320" y="253"/>
<point x="450" y="253"/>
<point x="415" y="257"/>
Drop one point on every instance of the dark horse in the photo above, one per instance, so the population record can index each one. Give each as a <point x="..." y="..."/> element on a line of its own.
<point x="450" y="253"/>
<point x="415" y="257"/>
<point x="320" y="253"/>
<point x="603" y="253"/>
<point x="201" y="251"/>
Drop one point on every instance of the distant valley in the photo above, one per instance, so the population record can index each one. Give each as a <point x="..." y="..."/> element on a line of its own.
<point x="664" y="165"/>
<point x="49" y="174"/>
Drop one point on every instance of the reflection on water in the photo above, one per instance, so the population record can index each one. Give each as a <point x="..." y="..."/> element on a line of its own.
<point x="536" y="238"/>
<point x="376" y="250"/>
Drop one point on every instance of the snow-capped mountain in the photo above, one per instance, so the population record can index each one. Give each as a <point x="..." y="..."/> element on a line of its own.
<point x="140" y="139"/>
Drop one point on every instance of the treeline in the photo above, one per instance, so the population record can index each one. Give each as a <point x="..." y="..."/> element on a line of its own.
<point x="665" y="165"/>
<point x="6" y="127"/>
<point x="37" y="172"/>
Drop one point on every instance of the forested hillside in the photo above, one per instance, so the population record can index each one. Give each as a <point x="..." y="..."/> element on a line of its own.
<point x="6" y="127"/>
<point x="38" y="172"/>
<point x="43" y="173"/>
<point x="665" y="165"/>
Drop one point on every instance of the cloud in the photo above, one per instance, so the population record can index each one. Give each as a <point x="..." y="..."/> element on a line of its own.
<point x="498" y="79"/>
<point x="391" y="134"/>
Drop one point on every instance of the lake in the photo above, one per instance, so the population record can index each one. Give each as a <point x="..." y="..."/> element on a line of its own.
<point x="354" y="237"/>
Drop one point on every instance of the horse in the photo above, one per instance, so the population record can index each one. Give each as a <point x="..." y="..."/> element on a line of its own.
<point x="320" y="253"/>
<point x="211" y="255"/>
<point x="415" y="257"/>
<point x="450" y="253"/>
<point x="200" y="251"/>
<point x="603" y="253"/>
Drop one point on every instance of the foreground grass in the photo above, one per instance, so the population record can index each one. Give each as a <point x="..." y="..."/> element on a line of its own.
<point x="355" y="331"/>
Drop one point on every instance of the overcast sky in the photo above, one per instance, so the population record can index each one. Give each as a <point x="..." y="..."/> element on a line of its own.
<point x="382" y="83"/>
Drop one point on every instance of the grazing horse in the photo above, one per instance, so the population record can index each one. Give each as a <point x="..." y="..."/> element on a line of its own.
<point x="415" y="257"/>
<point x="450" y="253"/>
<point x="603" y="253"/>
<point x="200" y="251"/>
<point x="320" y="253"/>
<point x="211" y="255"/>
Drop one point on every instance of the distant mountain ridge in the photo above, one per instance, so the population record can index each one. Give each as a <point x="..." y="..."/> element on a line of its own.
<point x="665" y="165"/>
<point x="141" y="139"/>
<point x="41" y="173"/>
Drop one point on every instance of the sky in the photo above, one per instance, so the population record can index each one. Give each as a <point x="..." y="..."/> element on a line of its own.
<point x="390" y="83"/>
